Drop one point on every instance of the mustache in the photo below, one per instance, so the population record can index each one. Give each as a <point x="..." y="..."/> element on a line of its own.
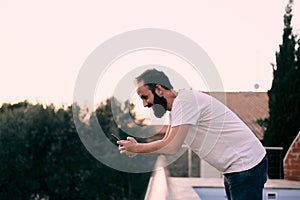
<point x="149" y="105"/>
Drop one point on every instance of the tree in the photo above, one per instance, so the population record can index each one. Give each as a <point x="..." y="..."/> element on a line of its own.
<point x="42" y="156"/>
<point x="283" y="125"/>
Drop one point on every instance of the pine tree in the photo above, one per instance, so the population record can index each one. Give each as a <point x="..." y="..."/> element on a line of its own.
<point x="283" y="123"/>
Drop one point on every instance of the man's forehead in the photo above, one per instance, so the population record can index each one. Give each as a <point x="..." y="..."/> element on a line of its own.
<point x="139" y="84"/>
<point x="142" y="89"/>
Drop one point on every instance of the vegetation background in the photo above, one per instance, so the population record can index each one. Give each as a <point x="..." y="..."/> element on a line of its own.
<point x="42" y="156"/>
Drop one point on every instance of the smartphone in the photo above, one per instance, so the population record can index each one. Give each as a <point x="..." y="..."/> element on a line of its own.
<point x="116" y="137"/>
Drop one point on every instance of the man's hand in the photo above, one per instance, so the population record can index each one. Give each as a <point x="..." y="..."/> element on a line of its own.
<point x="128" y="147"/>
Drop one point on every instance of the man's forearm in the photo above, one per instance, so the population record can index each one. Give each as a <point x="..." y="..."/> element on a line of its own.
<point x="156" y="147"/>
<point x="170" y="144"/>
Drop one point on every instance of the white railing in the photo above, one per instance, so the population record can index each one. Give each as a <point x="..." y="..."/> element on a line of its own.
<point x="158" y="184"/>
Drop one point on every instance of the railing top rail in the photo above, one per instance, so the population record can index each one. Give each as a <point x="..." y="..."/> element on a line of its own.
<point x="274" y="148"/>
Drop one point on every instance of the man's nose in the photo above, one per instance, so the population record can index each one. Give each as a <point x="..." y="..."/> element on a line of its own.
<point x="145" y="103"/>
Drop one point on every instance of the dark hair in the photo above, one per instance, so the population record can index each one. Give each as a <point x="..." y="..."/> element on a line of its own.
<point x="152" y="77"/>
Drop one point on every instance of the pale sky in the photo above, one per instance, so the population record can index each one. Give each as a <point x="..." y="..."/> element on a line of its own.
<point x="43" y="44"/>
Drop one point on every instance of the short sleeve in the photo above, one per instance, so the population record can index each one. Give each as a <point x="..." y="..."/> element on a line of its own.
<point x="185" y="110"/>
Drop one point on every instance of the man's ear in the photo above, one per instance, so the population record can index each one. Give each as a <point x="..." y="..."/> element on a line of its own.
<point x="159" y="90"/>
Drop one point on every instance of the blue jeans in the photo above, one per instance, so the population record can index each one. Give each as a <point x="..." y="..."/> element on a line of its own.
<point x="247" y="184"/>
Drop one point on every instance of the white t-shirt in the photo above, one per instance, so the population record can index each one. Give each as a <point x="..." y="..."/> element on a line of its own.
<point x="216" y="134"/>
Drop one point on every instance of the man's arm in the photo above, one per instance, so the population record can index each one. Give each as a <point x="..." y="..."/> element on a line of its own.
<point x="170" y="144"/>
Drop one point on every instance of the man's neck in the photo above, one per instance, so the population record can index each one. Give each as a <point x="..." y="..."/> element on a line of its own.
<point x="170" y="97"/>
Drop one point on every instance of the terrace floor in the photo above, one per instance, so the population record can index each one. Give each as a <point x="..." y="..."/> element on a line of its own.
<point x="183" y="188"/>
<point x="163" y="187"/>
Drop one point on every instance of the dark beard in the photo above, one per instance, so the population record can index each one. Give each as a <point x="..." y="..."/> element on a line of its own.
<point x="159" y="105"/>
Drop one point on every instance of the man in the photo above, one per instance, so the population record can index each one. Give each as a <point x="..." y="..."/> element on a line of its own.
<point x="212" y="131"/>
